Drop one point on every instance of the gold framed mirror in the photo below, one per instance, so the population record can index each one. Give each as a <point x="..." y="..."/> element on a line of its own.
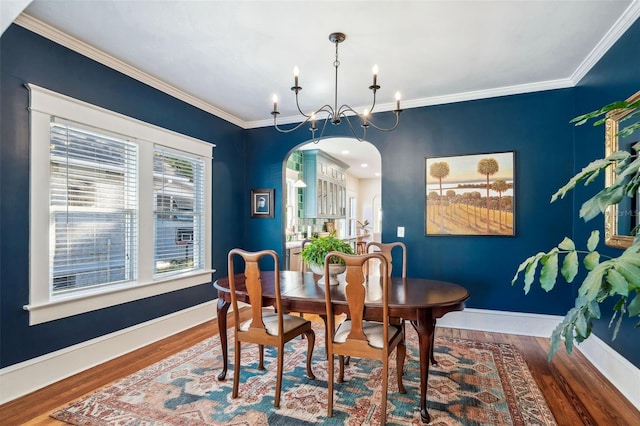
<point x="618" y="219"/>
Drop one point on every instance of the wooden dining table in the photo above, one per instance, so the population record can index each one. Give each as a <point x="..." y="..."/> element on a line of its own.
<point x="419" y="300"/>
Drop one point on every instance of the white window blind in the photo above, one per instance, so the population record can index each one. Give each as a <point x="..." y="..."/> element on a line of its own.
<point x="178" y="182"/>
<point x="93" y="199"/>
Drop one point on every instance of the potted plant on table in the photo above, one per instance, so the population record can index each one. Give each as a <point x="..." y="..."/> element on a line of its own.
<point x="314" y="253"/>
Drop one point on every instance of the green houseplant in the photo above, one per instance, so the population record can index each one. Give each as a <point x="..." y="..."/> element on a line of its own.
<point x="314" y="253"/>
<point x="617" y="277"/>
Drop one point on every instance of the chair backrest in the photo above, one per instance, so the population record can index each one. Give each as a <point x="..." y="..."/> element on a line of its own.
<point x="303" y="264"/>
<point x="253" y="286"/>
<point x="386" y="249"/>
<point x="356" y="289"/>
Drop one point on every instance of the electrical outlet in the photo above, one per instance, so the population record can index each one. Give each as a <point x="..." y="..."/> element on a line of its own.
<point x="400" y="231"/>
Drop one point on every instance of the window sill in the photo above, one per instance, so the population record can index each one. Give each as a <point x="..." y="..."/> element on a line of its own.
<point x="62" y="308"/>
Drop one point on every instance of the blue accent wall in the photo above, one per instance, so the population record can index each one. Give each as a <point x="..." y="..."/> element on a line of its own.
<point x="548" y="151"/>
<point x="29" y="58"/>
<point x="532" y="125"/>
<point x="615" y="77"/>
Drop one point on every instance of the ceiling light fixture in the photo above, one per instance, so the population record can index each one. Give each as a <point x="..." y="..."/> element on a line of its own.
<point x="299" y="184"/>
<point x="335" y="114"/>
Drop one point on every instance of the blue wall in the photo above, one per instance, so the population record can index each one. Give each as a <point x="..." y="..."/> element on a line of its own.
<point x="548" y="151"/>
<point x="29" y="58"/>
<point x="532" y="125"/>
<point x="535" y="126"/>
<point x="615" y="77"/>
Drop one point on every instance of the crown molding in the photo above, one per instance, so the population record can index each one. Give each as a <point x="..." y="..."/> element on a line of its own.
<point x="441" y="100"/>
<point x="53" y="34"/>
<point x="615" y="32"/>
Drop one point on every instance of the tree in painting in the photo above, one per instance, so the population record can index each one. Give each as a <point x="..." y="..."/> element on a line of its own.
<point x="500" y="186"/>
<point x="488" y="167"/>
<point x="440" y="171"/>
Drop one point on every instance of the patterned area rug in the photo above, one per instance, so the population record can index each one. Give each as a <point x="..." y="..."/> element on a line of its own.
<point x="474" y="384"/>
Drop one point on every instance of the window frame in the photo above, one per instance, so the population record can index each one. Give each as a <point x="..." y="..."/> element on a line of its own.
<point x="45" y="104"/>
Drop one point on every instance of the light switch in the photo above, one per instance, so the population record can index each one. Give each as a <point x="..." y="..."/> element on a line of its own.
<point x="400" y="231"/>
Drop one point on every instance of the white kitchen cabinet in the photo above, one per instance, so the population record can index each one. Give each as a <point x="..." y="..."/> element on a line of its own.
<point x="327" y="198"/>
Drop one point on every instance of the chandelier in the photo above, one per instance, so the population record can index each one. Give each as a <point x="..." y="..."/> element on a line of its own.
<point x="334" y="114"/>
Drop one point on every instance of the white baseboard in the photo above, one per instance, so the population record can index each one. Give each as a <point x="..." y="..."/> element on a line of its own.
<point x="23" y="378"/>
<point x="20" y="379"/>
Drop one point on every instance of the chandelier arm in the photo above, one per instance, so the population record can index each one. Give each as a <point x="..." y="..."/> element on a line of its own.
<point x="281" y="130"/>
<point x="300" y="110"/>
<point x="382" y="129"/>
<point x="353" y="131"/>
<point x="344" y="108"/>
<point x="324" y="108"/>
<point x="324" y="125"/>
<point x="373" y="105"/>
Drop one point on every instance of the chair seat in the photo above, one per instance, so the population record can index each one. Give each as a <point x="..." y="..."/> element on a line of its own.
<point x="372" y="329"/>
<point x="270" y="319"/>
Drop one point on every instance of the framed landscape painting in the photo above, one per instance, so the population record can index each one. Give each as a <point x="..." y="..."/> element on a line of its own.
<point x="470" y="194"/>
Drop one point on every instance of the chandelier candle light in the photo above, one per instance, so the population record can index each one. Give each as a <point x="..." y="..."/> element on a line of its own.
<point x="334" y="113"/>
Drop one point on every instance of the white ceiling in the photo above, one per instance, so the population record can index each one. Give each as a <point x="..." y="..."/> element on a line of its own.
<point x="230" y="57"/>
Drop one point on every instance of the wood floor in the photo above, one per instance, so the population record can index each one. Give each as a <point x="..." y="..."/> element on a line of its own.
<point x="575" y="391"/>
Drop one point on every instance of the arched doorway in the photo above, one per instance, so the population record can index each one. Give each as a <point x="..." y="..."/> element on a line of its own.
<point x="343" y="187"/>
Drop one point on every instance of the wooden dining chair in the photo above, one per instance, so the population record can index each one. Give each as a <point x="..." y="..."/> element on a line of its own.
<point x="266" y="327"/>
<point x="387" y="250"/>
<point x="357" y="337"/>
<point x="303" y="264"/>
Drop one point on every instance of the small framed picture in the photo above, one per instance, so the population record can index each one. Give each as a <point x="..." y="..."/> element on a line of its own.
<point x="262" y="203"/>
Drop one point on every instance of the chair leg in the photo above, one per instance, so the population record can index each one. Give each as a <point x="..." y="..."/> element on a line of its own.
<point x="311" y="339"/>
<point x="401" y="354"/>
<point x="433" y="340"/>
<point x="341" y="373"/>
<point x="326" y="334"/>
<point x="236" y="369"/>
<point x="330" y="387"/>
<point x="261" y="362"/>
<point x="385" y="386"/>
<point x="276" y="402"/>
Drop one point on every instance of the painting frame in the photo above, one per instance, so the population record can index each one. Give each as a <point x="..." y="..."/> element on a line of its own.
<point x="262" y="202"/>
<point x="460" y="200"/>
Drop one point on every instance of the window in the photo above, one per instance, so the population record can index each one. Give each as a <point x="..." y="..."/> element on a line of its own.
<point x="177" y="187"/>
<point x="120" y="209"/>
<point x="92" y="207"/>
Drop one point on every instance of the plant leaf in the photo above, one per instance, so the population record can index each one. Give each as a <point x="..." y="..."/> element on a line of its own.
<point x="630" y="271"/>
<point x="592" y="260"/>
<point x="593" y="240"/>
<point x="593" y="167"/>
<point x="567" y="244"/>
<point x="549" y="271"/>
<point x="570" y="266"/>
<point x="634" y="306"/>
<point x="581" y="325"/>
<point x="530" y="272"/>
<point x="592" y="283"/>
<point x="521" y="268"/>
<point x="594" y="309"/>
<point x="619" y="284"/>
